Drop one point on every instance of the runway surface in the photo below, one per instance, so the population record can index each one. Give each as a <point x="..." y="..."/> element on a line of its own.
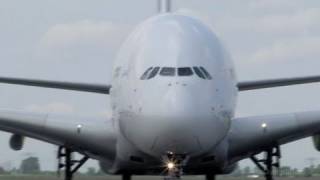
<point x="12" y="177"/>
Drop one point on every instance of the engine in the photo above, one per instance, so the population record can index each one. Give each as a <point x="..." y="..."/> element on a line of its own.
<point x="16" y="142"/>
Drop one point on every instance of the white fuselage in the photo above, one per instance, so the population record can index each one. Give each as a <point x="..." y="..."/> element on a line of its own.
<point x="181" y="114"/>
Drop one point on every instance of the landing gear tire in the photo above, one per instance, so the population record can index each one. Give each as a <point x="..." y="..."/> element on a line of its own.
<point x="126" y="177"/>
<point x="210" y="177"/>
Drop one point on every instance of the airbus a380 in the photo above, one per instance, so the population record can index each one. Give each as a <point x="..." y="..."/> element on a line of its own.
<point x="173" y="98"/>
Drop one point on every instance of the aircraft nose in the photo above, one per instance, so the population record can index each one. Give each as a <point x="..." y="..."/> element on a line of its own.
<point x="179" y="121"/>
<point x="183" y="119"/>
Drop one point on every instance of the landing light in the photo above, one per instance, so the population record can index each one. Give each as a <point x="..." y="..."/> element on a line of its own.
<point x="264" y="125"/>
<point x="79" y="127"/>
<point x="170" y="165"/>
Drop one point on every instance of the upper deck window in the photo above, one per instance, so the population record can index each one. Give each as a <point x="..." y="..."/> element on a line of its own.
<point x="168" y="71"/>
<point x="185" y="71"/>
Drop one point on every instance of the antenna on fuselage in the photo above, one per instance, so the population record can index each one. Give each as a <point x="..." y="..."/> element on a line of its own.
<point x="164" y="6"/>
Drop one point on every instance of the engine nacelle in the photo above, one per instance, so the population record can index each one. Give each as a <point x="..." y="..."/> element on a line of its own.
<point x="16" y="142"/>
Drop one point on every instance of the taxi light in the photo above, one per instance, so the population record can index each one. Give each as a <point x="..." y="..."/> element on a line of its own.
<point x="171" y="165"/>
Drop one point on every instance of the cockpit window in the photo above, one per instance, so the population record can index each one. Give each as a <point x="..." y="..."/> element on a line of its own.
<point x="168" y="71"/>
<point x="146" y="74"/>
<point x="154" y="72"/>
<point x="205" y="72"/>
<point x="199" y="73"/>
<point x="185" y="71"/>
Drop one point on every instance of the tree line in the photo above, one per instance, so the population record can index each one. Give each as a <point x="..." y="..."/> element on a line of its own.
<point x="31" y="165"/>
<point x="283" y="171"/>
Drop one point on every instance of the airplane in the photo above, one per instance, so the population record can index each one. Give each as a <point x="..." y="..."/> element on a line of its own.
<point x="173" y="97"/>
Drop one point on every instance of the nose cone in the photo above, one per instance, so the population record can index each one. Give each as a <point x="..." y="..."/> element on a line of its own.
<point x="178" y="121"/>
<point x="177" y="125"/>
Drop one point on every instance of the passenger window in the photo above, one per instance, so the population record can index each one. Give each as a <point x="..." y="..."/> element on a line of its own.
<point x="206" y="73"/>
<point x="145" y="74"/>
<point x="199" y="73"/>
<point x="154" y="72"/>
<point x="185" y="71"/>
<point x="168" y="71"/>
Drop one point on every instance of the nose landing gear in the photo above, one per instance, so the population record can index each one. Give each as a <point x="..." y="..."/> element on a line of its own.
<point x="174" y="166"/>
<point x="210" y="177"/>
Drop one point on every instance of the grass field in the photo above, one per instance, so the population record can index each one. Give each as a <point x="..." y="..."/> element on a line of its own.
<point x="135" y="178"/>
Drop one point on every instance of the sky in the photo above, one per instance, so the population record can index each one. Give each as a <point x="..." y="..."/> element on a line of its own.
<point x="77" y="40"/>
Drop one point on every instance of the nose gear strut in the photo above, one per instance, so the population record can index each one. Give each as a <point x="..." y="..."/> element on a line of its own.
<point x="174" y="165"/>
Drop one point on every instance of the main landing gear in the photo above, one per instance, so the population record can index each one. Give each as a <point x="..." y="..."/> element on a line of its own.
<point x="66" y="162"/>
<point x="126" y="177"/>
<point x="210" y="177"/>
<point x="271" y="159"/>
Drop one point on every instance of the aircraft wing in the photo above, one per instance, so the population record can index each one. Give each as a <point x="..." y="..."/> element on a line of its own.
<point x="269" y="83"/>
<point x="70" y="131"/>
<point x="251" y="135"/>
<point x="86" y="87"/>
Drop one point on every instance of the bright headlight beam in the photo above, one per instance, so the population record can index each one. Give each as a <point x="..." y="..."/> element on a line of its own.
<point x="170" y="165"/>
<point x="264" y="125"/>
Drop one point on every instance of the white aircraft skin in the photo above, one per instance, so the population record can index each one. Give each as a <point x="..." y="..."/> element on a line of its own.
<point x="153" y="118"/>
<point x="184" y="115"/>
